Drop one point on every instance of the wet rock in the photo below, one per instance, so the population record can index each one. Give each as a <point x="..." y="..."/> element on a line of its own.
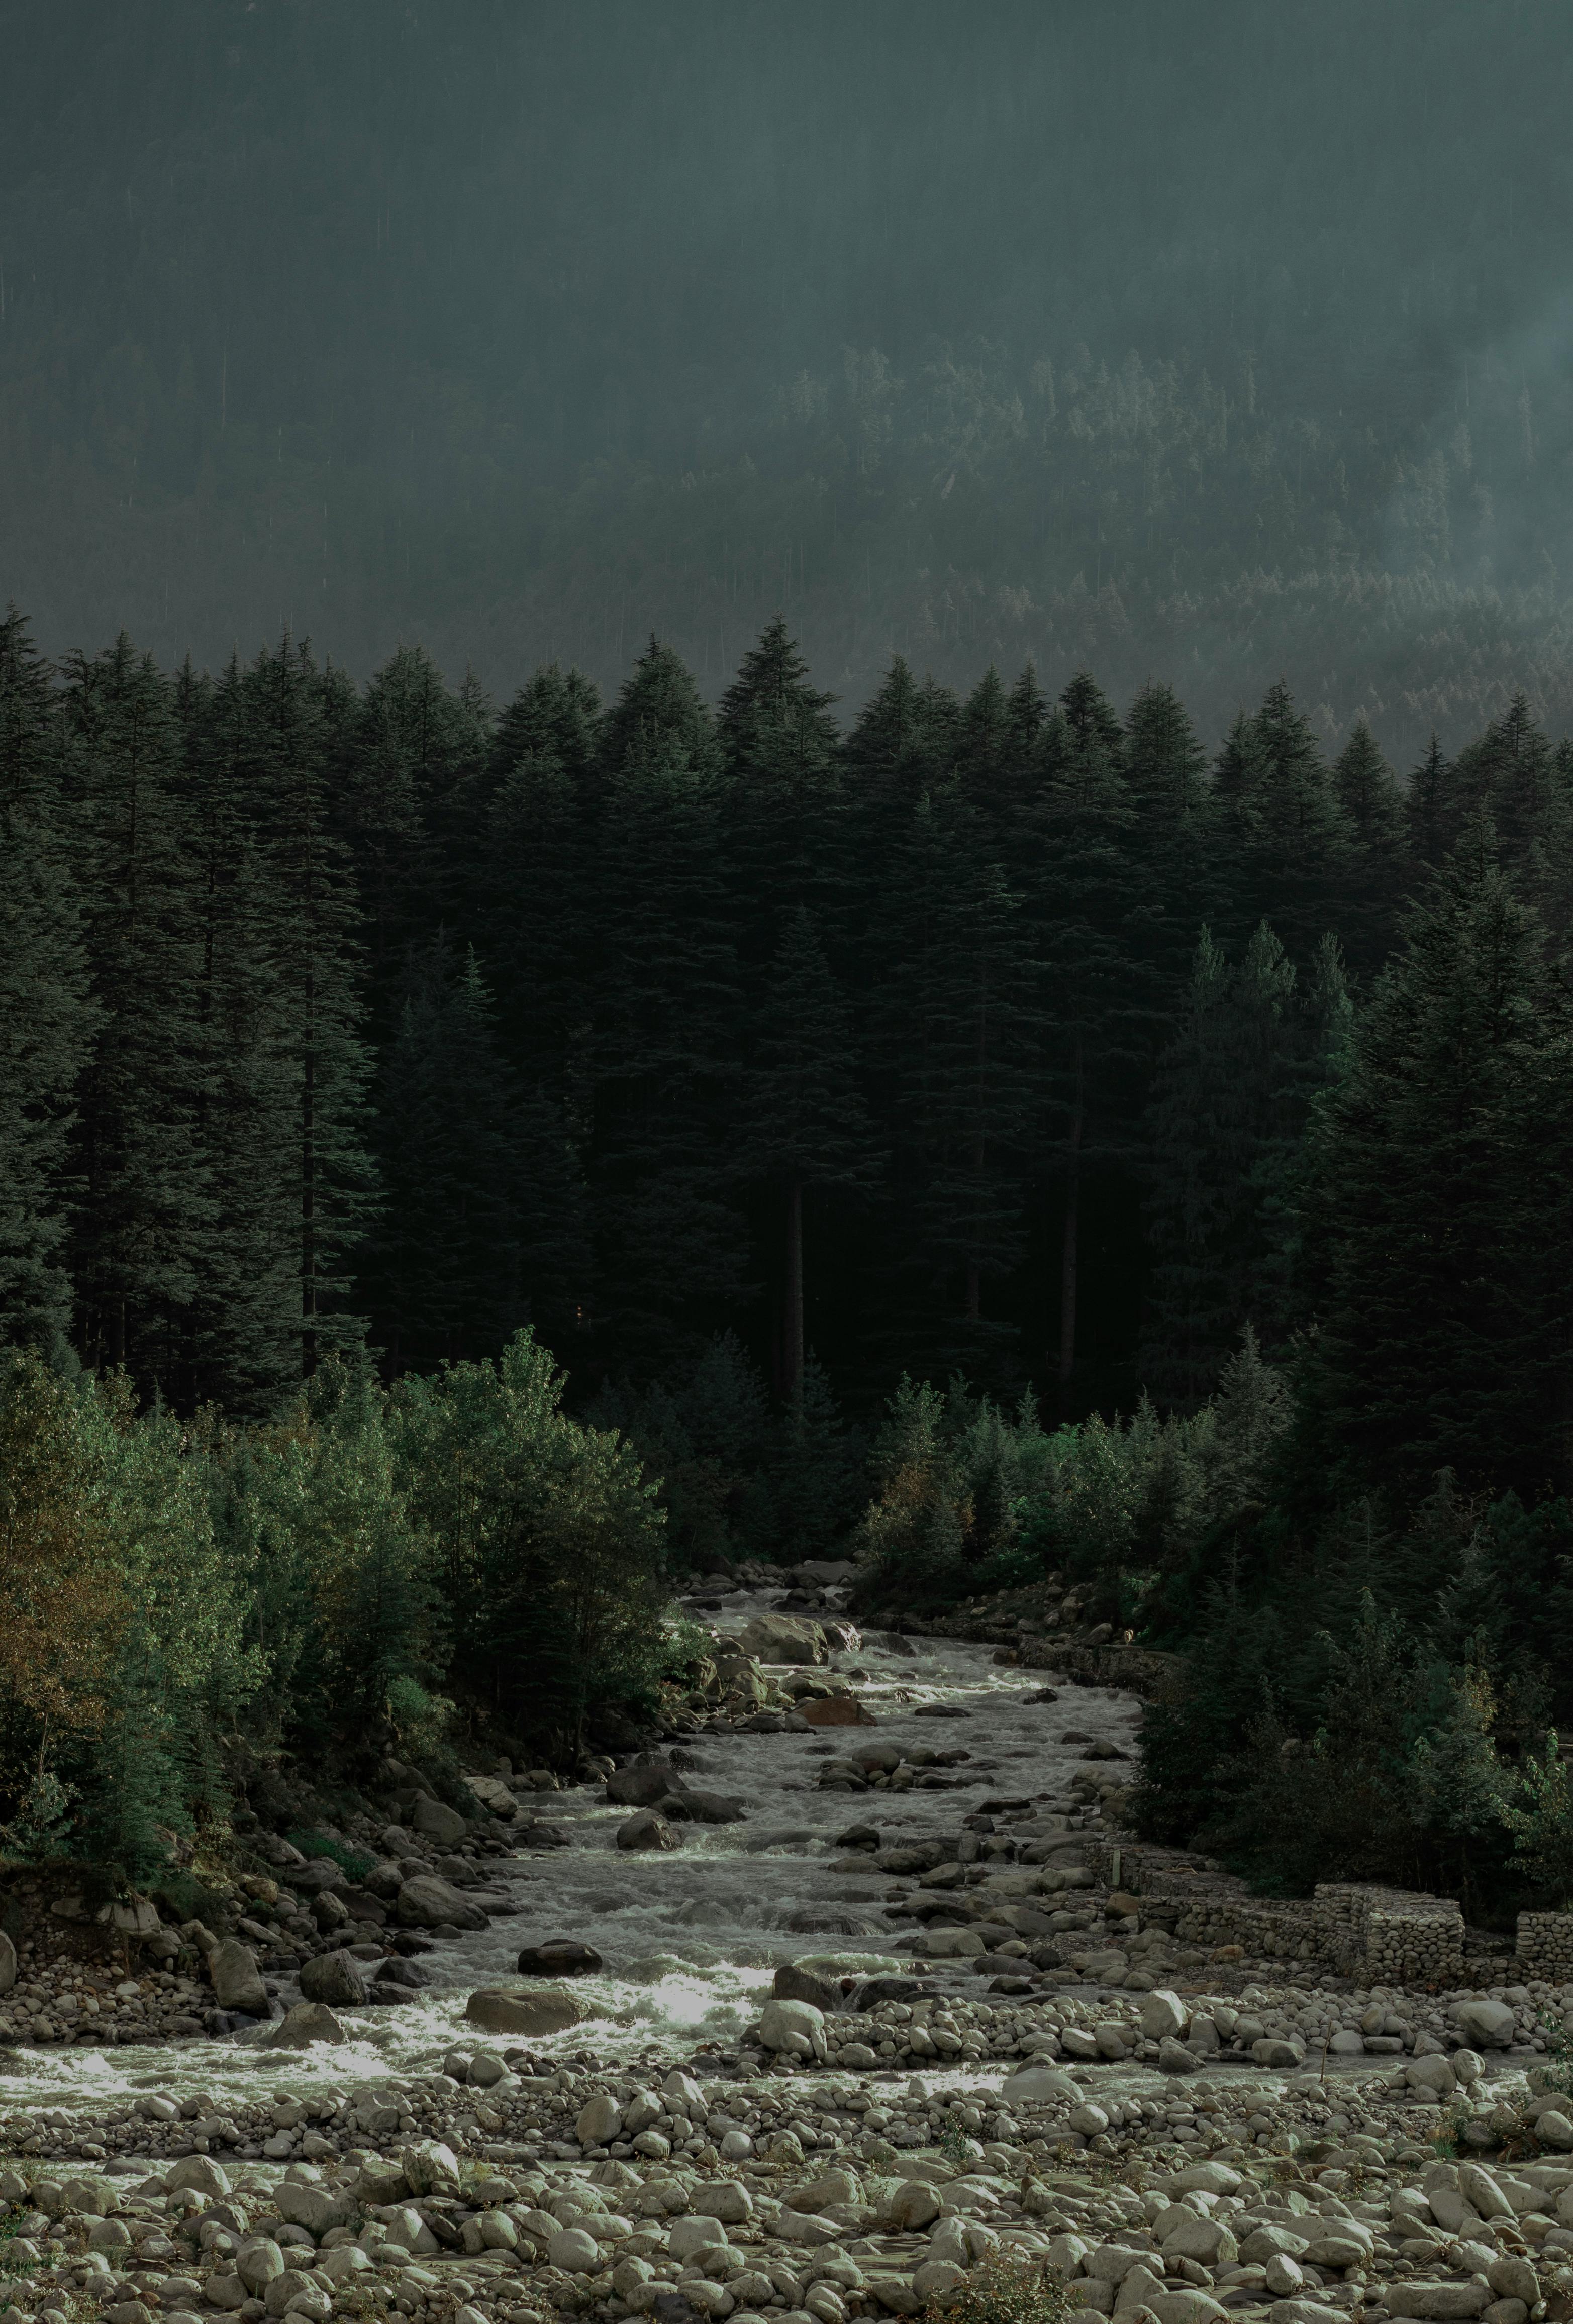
<point x="540" y="1835"/>
<point x="308" y="2021"/>
<point x="837" y="1711"/>
<point x="793" y="1984"/>
<point x="784" y="1638"/>
<point x="336" y="1978"/>
<point x="237" y="1979"/>
<point x="427" y="1901"/>
<point x="712" y="1807"/>
<point x="532" y="2011"/>
<point x="647" y="1831"/>
<point x="640" y="1786"/>
<point x="559" y="1956"/>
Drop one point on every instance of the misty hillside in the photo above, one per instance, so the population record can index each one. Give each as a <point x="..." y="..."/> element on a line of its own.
<point x="1207" y="344"/>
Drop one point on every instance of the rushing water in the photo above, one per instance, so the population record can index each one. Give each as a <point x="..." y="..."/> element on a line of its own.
<point x="692" y="1938"/>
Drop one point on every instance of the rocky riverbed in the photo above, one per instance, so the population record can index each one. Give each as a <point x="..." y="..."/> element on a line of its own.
<point x="826" y="2016"/>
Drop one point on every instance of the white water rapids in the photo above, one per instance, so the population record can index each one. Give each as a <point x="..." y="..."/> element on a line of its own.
<point x="692" y="1938"/>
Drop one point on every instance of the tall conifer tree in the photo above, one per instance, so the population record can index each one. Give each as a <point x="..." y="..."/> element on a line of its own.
<point x="47" y="1013"/>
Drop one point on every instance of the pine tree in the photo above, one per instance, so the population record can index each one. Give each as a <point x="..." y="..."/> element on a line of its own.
<point x="316" y="956"/>
<point x="671" y="1251"/>
<point x="960" y="1041"/>
<point x="1174" y="843"/>
<point x="1429" y="808"/>
<point x="1442" y="1206"/>
<point x="1291" y="839"/>
<point x="243" y="1320"/>
<point x="1231" y="1098"/>
<point x="782" y="800"/>
<point x="443" y="1268"/>
<point x="413" y="746"/>
<point x="808" y="1129"/>
<point x="1080" y="896"/>
<point x="530" y="867"/>
<point x="1368" y="791"/>
<point x="145" y="1202"/>
<point x="1512" y="775"/>
<point x="47" y="1013"/>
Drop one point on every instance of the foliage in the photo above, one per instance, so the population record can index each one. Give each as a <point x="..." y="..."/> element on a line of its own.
<point x="1004" y="2291"/>
<point x="351" y="1860"/>
<point x="1541" y="1821"/>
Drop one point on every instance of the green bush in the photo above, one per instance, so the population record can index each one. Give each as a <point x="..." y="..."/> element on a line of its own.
<point x="352" y="1862"/>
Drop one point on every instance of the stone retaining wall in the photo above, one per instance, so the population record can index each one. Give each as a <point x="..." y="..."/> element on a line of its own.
<point x="1375" y="1935"/>
<point x="1545" y="1946"/>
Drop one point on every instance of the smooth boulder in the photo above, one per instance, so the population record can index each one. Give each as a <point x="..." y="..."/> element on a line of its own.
<point x="645" y="1831"/>
<point x="794" y="2027"/>
<point x="559" y="1956"/>
<point x="308" y="2021"/>
<point x="529" y="2010"/>
<point x="784" y="1638"/>
<point x="427" y="1901"/>
<point x="236" y="1979"/>
<point x="1488" y="2025"/>
<point x="335" y="1977"/>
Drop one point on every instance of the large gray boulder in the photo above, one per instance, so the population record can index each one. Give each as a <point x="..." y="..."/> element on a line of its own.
<point x="533" y="2011"/>
<point x="796" y="2027"/>
<point x="237" y="1979"/>
<point x="438" y="1822"/>
<point x="640" y="1786"/>
<point x="336" y="1978"/>
<point x="646" y="1831"/>
<point x="308" y="2021"/>
<point x="427" y="1901"/>
<point x="784" y="1638"/>
<point x="1487" y="2024"/>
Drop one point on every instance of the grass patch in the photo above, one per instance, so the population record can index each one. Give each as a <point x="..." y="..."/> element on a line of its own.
<point x="352" y="1862"/>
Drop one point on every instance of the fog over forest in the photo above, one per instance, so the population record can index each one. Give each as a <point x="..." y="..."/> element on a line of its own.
<point x="1213" y="343"/>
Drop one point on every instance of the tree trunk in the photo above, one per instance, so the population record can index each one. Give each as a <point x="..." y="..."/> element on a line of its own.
<point x="1068" y="1249"/>
<point x="792" y="1366"/>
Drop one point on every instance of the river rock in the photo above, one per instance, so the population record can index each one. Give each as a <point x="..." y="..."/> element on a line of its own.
<point x="1487" y="2023"/>
<point x="600" y="2120"/>
<point x="308" y="2021"/>
<point x="784" y="1638"/>
<point x="794" y="2027"/>
<point x="335" y="1977"/>
<point x="645" y="1831"/>
<point x="309" y="2206"/>
<point x="237" y="1979"/>
<point x="724" y="2199"/>
<point x="1161" y="2012"/>
<point x="794" y="1984"/>
<point x="1038" y="2086"/>
<point x="438" y="1822"/>
<point x="574" y="2251"/>
<point x="711" y="1807"/>
<point x="559" y="1956"/>
<point x="1437" y="2303"/>
<point x="7" y="1963"/>
<point x="529" y="2010"/>
<point x="426" y="1902"/>
<point x="836" y="1710"/>
<point x="641" y="1785"/>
